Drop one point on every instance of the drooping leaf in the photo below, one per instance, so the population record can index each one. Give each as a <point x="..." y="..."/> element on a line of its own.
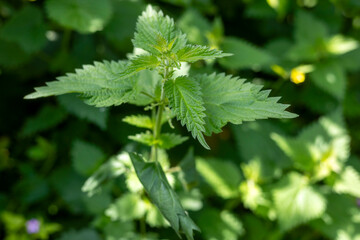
<point x="85" y="16"/>
<point x="166" y="140"/>
<point x="86" y="157"/>
<point x="185" y="100"/>
<point x="229" y="99"/>
<point x="296" y="201"/>
<point x="75" y="106"/>
<point x="245" y="55"/>
<point x="162" y="195"/>
<point x="26" y="28"/>
<point x="193" y="53"/>
<point x="157" y="33"/>
<point x="98" y="84"/>
<point x="223" y="176"/>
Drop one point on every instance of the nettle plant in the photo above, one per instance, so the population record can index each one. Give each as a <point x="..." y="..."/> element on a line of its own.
<point x="203" y="103"/>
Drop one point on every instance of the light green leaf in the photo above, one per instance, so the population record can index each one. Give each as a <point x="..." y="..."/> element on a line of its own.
<point x="157" y="34"/>
<point x="154" y="217"/>
<point x="298" y="151"/>
<point x="220" y="225"/>
<point x="141" y="121"/>
<point x="98" y="84"/>
<point x="26" y="28"/>
<point x="296" y="201"/>
<point x="330" y="77"/>
<point x="85" y="16"/>
<point x="185" y="100"/>
<point x="166" y="141"/>
<point x="162" y="195"/>
<point x="128" y="207"/>
<point x="245" y="55"/>
<point x="78" y="108"/>
<point x="348" y="182"/>
<point x="86" y="157"/>
<point x="229" y="99"/>
<point x="340" y="44"/>
<point x="223" y="176"/>
<point x="193" y="53"/>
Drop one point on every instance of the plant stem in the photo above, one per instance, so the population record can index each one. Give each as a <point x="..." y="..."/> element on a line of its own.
<point x="157" y="127"/>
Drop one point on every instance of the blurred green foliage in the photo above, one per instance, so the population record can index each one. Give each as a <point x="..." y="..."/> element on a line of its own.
<point x="63" y="162"/>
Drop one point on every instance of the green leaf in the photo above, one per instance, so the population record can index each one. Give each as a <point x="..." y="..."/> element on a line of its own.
<point x="147" y="88"/>
<point x="86" y="157"/>
<point x="330" y="77"/>
<point x="220" y="225"/>
<point x="166" y="140"/>
<point x="348" y="182"/>
<point x="298" y="151"/>
<point x="308" y="28"/>
<point x="98" y="84"/>
<point x="162" y="195"/>
<point x="263" y="163"/>
<point x="128" y="207"/>
<point x="124" y="18"/>
<point x="46" y="118"/>
<point x="140" y="63"/>
<point x="229" y="99"/>
<point x="296" y="201"/>
<point x="223" y="176"/>
<point x="195" y="25"/>
<point x="75" y="106"/>
<point x="185" y="100"/>
<point x="341" y="221"/>
<point x="26" y="28"/>
<point x="83" y="234"/>
<point x="18" y="55"/>
<point x="157" y="34"/>
<point x="141" y="121"/>
<point x="340" y="44"/>
<point x="84" y="16"/>
<point x="193" y="53"/>
<point x="245" y="55"/>
<point x="154" y="217"/>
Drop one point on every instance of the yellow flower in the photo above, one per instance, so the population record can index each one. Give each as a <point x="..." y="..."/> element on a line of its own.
<point x="297" y="76"/>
